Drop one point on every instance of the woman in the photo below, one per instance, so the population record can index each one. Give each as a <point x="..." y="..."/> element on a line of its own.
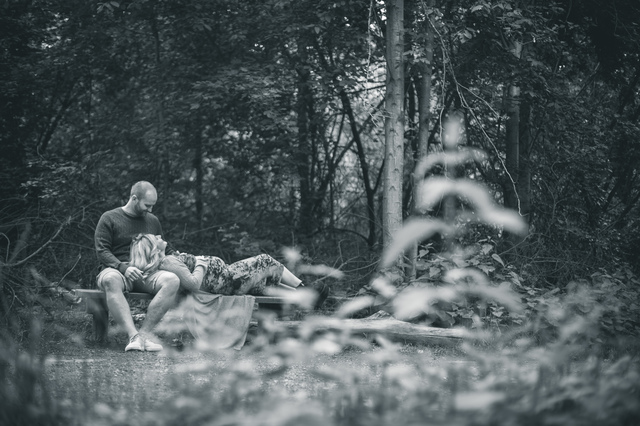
<point x="211" y="274"/>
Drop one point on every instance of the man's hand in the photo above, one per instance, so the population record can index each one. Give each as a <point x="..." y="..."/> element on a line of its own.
<point x="133" y="274"/>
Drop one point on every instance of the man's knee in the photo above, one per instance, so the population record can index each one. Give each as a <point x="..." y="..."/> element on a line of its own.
<point x="112" y="282"/>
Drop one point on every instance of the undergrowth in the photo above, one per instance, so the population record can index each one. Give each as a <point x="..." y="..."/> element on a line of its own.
<point x="532" y="355"/>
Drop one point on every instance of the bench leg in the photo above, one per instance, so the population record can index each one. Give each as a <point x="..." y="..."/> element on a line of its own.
<point x="98" y="309"/>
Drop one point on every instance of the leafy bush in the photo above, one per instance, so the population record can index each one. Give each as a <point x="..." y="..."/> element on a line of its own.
<point x="24" y="391"/>
<point x="531" y="355"/>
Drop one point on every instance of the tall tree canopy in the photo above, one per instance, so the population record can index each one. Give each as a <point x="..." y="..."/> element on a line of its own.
<point x="262" y="122"/>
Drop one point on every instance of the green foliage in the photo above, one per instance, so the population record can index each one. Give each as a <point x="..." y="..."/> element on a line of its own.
<point x="25" y="396"/>
<point x="205" y="99"/>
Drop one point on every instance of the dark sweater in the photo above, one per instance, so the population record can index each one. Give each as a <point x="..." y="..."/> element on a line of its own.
<point x="114" y="232"/>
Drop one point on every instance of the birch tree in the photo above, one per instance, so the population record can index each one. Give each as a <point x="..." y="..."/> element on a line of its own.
<point x="394" y="122"/>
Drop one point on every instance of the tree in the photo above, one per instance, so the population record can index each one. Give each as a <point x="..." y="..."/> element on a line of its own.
<point x="394" y="123"/>
<point x="422" y="81"/>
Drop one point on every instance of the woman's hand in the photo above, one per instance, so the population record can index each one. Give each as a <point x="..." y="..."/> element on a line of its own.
<point x="202" y="261"/>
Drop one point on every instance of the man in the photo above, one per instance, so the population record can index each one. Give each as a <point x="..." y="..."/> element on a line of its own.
<point x="112" y="238"/>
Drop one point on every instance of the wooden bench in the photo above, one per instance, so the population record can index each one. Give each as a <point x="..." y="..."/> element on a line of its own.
<point x="95" y="303"/>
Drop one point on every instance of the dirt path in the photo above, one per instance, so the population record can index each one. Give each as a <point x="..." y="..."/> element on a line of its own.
<point x="134" y="379"/>
<point x="88" y="377"/>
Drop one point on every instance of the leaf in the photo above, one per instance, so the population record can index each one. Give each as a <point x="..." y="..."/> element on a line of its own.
<point x="497" y="259"/>
<point x="460" y="263"/>
<point x="448" y="160"/>
<point x="460" y="274"/>
<point x="354" y="305"/>
<point x="321" y="270"/>
<point x="507" y="219"/>
<point x="383" y="287"/>
<point x="473" y="401"/>
<point x="486" y="268"/>
<point x="326" y="346"/>
<point x="434" y="189"/>
<point x="412" y="231"/>
<point x="416" y="301"/>
<point x="502" y="295"/>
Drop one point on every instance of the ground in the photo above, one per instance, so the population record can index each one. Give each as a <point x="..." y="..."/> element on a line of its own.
<point x="88" y="377"/>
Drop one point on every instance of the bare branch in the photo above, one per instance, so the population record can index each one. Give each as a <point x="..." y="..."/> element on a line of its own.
<point x="62" y="226"/>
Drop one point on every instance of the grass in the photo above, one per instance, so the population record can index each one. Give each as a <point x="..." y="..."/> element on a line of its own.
<point x="53" y="375"/>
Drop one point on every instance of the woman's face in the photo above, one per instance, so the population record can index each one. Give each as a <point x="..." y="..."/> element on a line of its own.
<point x="160" y="243"/>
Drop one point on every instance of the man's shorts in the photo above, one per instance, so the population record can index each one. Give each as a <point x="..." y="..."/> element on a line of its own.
<point x="148" y="285"/>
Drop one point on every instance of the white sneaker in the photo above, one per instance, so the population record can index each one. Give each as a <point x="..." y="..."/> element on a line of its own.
<point x="135" y="344"/>
<point x="150" y="346"/>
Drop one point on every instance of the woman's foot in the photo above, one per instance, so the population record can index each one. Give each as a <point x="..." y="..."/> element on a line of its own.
<point x="323" y="292"/>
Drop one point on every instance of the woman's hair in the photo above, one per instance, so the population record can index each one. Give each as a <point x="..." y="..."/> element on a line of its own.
<point x="145" y="254"/>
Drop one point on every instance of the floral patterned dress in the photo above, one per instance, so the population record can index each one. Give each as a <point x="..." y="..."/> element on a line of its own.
<point x="247" y="276"/>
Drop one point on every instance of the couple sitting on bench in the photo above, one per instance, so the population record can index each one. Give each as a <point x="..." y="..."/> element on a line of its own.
<point x="130" y="247"/>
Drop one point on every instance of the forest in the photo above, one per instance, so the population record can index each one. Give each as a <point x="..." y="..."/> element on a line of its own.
<point x="415" y="146"/>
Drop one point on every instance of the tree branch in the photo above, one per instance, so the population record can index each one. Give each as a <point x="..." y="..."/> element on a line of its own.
<point x="62" y="226"/>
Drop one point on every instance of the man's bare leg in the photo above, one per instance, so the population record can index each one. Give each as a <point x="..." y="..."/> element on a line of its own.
<point x="113" y="286"/>
<point x="168" y="286"/>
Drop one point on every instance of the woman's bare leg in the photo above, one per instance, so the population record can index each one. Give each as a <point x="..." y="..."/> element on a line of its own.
<point x="289" y="279"/>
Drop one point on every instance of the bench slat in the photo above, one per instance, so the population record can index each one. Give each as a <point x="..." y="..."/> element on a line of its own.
<point x="95" y="303"/>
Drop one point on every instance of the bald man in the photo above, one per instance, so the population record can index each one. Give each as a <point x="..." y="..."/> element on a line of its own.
<point x="112" y="238"/>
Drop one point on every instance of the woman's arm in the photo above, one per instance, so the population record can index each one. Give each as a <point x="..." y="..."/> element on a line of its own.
<point x="190" y="281"/>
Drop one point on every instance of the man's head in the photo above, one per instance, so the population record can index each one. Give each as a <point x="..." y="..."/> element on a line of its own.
<point x="143" y="197"/>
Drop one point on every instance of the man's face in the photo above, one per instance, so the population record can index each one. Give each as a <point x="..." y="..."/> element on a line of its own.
<point x="145" y="204"/>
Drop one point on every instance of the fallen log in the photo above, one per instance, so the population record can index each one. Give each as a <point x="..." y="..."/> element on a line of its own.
<point x="389" y="327"/>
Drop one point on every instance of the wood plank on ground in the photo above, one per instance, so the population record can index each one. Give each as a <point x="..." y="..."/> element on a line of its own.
<point x="389" y="327"/>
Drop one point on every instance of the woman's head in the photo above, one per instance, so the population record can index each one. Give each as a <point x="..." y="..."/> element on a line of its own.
<point x="147" y="251"/>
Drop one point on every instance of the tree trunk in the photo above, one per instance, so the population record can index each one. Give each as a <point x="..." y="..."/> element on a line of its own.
<point x="305" y="135"/>
<point x="425" y="69"/>
<point x="517" y="183"/>
<point x="512" y="139"/>
<point x="369" y="188"/>
<point x="197" y="165"/>
<point x="394" y="124"/>
<point x="453" y="131"/>
<point x="165" y="161"/>
<point x="524" y="171"/>
<point x="364" y="167"/>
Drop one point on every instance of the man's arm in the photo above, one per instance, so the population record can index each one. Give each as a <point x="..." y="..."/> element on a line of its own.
<point x="103" y="242"/>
